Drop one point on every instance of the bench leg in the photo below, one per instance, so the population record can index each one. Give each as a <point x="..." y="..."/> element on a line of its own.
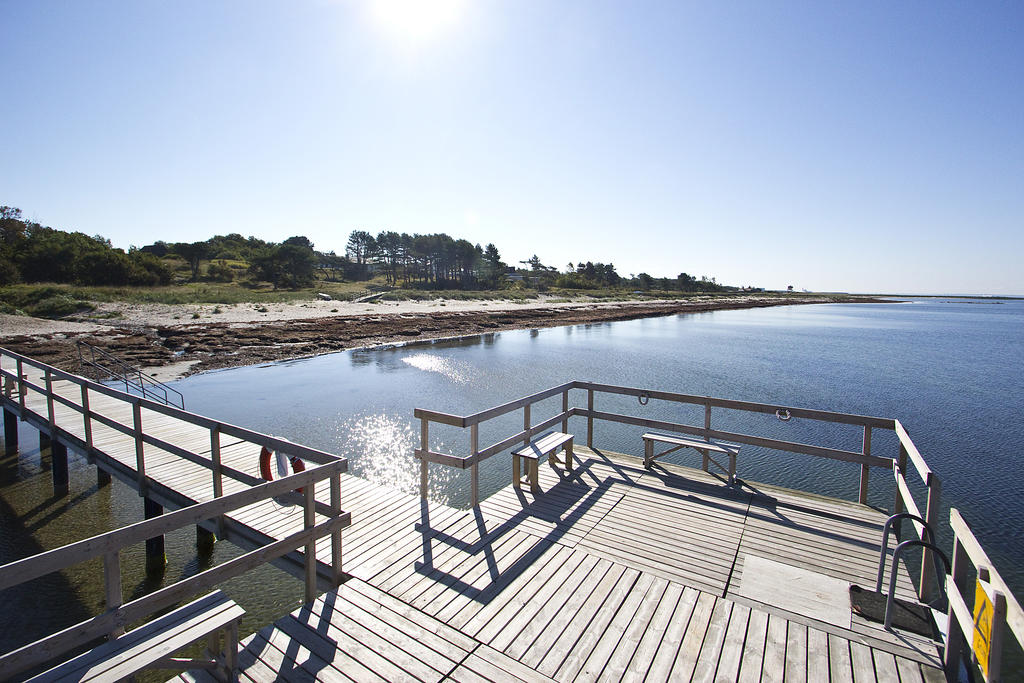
<point x="704" y="460"/>
<point x="534" y="476"/>
<point x="231" y="650"/>
<point x="648" y="453"/>
<point x="732" y="468"/>
<point x="517" y="472"/>
<point x="568" y="456"/>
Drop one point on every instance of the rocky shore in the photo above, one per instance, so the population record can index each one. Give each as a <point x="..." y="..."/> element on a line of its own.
<point x="239" y="338"/>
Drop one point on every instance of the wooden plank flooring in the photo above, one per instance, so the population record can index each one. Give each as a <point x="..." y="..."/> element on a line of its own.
<point x="569" y="585"/>
<point x="611" y="572"/>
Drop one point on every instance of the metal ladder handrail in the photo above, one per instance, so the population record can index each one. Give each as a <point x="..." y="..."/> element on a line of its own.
<point x="898" y="551"/>
<point x="891" y="598"/>
<point x="131" y="376"/>
<point x="885" y="541"/>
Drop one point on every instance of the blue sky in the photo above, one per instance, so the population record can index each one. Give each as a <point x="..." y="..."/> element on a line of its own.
<point x="855" y="146"/>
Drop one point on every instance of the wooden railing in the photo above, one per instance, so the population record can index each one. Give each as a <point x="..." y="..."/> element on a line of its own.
<point x="927" y="582"/>
<point x="982" y="631"/>
<point x="112" y="622"/>
<point x="17" y="382"/>
<point x="864" y="457"/>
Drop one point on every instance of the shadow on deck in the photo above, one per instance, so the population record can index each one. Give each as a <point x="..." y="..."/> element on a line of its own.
<point x="613" y="571"/>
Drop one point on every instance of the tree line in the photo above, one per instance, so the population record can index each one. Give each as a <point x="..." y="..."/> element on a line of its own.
<point x="32" y="253"/>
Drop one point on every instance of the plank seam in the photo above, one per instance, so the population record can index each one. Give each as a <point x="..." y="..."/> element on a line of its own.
<point x="461" y="662"/>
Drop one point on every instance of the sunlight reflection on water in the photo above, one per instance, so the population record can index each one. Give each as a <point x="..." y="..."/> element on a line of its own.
<point x="446" y="367"/>
<point x="385" y="446"/>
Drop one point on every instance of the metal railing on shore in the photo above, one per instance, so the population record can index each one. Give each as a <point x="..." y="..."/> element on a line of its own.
<point x="105" y="365"/>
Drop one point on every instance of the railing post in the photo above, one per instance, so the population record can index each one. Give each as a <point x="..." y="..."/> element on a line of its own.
<point x="957" y="583"/>
<point x="112" y="587"/>
<point x="86" y="417"/>
<point x="49" y="404"/>
<point x="901" y="461"/>
<point x="336" y="534"/>
<point x="590" y="418"/>
<point x="218" y="470"/>
<point x="474" y="470"/>
<point x="424" y="463"/>
<point x="926" y="588"/>
<point x="309" y="522"/>
<point x="865" y="469"/>
<point x="140" y="456"/>
<point x="995" y="655"/>
<point x="218" y="473"/>
<point x="21" y="388"/>
<point x="565" y="409"/>
<point x="705" y="456"/>
<point x="526" y="424"/>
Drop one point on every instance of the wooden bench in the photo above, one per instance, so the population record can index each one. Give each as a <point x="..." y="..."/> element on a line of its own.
<point x="152" y="644"/>
<point x="546" y="445"/>
<point x="705" y="446"/>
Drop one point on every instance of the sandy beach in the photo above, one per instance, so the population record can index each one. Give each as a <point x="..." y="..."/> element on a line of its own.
<point x="172" y="341"/>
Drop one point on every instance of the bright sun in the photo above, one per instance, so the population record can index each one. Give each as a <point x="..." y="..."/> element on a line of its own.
<point x="416" y="20"/>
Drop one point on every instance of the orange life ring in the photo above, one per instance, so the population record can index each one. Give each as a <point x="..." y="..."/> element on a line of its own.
<point x="268" y="474"/>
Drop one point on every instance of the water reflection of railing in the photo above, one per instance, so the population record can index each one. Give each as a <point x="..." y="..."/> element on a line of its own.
<point x="908" y="455"/>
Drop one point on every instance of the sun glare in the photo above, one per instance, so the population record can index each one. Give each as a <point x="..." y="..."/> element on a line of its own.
<point x="416" y="20"/>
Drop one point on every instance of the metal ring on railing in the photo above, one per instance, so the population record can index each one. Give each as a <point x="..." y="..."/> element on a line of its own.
<point x="783" y="414"/>
<point x="644" y="399"/>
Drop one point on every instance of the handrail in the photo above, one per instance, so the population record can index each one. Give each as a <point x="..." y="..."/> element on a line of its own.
<point x="905" y="501"/>
<point x="108" y="545"/>
<point x="926" y="580"/>
<point x="130" y="375"/>
<point x="271" y="442"/>
<point x="118" y="615"/>
<point x="963" y="624"/>
<point x="477" y="455"/>
<point x="891" y="598"/>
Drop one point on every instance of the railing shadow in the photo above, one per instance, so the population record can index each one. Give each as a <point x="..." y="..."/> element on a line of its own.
<point x="566" y="498"/>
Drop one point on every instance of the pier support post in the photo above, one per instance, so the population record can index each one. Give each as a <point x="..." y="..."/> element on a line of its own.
<point x="156" y="558"/>
<point x="44" y="441"/>
<point x="102" y="477"/>
<point x="205" y="540"/>
<point x="59" y="456"/>
<point x="10" y="432"/>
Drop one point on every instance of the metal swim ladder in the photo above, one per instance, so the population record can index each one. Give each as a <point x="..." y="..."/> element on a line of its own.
<point x="106" y="366"/>
<point x="898" y="552"/>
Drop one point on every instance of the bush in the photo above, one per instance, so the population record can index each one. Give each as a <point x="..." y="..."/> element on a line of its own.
<point x="57" y="306"/>
<point x="220" y="271"/>
<point x="8" y="271"/>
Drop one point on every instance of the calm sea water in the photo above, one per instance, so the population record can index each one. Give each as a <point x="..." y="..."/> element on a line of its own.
<point x="950" y="370"/>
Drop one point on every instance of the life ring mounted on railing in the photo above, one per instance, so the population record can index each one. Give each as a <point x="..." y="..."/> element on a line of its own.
<point x="783" y="414"/>
<point x="282" y="465"/>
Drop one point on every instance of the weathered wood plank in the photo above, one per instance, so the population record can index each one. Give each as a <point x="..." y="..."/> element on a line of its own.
<point x="754" y="647"/>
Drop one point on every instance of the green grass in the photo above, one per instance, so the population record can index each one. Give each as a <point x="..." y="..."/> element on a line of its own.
<point x="49" y="300"/>
<point x="24" y="296"/>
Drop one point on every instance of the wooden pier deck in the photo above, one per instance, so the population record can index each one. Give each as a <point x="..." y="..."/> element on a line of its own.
<point x="613" y="572"/>
<point x="172" y="480"/>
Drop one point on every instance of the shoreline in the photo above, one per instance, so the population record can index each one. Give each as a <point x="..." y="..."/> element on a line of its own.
<point x="172" y="342"/>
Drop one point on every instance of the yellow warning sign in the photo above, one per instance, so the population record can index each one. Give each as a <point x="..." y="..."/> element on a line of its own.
<point x="983" y="616"/>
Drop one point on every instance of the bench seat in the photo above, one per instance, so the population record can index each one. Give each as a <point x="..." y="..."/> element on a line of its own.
<point x="704" y="446"/>
<point x="543" y="447"/>
<point x="153" y="644"/>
